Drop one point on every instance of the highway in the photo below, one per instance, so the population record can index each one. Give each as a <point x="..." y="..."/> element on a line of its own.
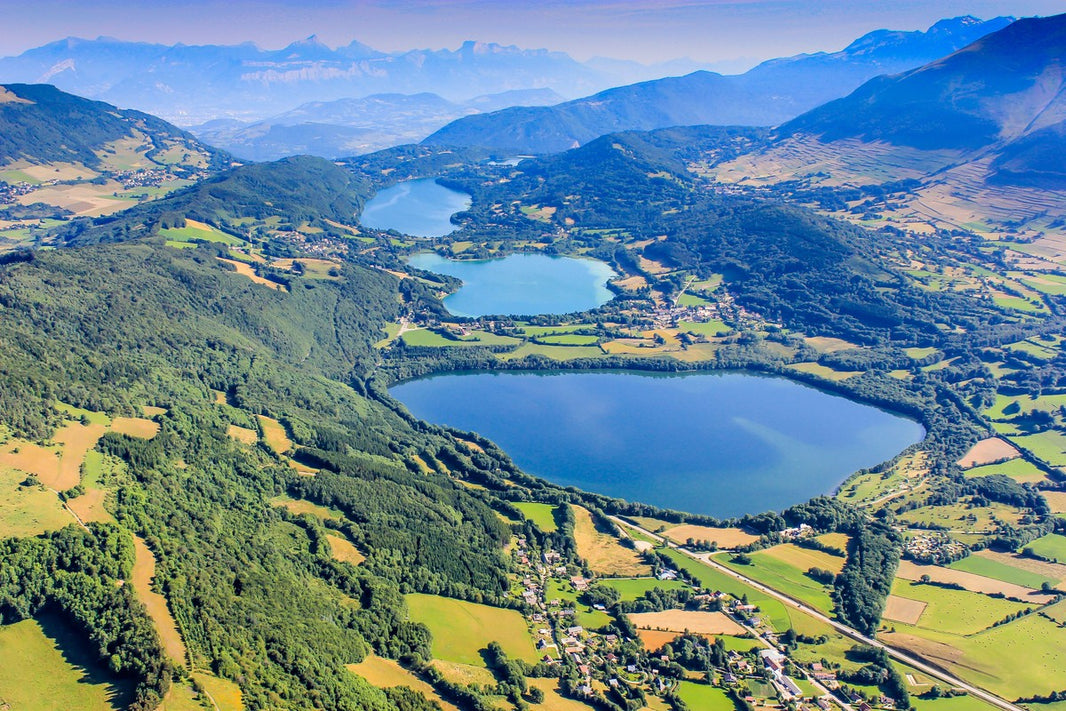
<point x="843" y="629"/>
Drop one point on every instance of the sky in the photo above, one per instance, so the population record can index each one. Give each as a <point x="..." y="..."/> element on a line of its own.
<point x="647" y="31"/>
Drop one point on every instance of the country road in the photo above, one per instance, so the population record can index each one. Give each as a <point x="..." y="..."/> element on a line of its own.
<point x="848" y="632"/>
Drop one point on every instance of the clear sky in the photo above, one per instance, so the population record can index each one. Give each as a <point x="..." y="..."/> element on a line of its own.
<point x="644" y="30"/>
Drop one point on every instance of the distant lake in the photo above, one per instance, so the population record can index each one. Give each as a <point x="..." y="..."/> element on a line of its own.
<point x="522" y="284"/>
<point x="722" y="444"/>
<point x="420" y="208"/>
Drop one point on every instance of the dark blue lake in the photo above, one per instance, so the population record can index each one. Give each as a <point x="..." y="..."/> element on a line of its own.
<point x="420" y="208"/>
<point x="723" y="444"/>
<point x="522" y="284"/>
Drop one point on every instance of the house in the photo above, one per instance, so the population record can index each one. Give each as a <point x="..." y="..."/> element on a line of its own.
<point x="667" y="574"/>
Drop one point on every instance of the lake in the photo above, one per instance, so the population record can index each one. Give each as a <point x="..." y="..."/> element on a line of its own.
<point x="722" y="444"/>
<point x="420" y="208"/>
<point x="522" y="284"/>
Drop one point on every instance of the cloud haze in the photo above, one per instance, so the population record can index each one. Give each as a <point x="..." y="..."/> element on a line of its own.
<point x="646" y="31"/>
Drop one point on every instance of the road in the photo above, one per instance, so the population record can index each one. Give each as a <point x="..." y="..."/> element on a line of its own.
<point x="843" y="629"/>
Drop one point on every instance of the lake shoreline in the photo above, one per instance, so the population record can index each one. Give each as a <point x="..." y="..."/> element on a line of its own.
<point x="791" y="453"/>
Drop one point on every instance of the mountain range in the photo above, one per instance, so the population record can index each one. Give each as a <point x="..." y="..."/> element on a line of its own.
<point x="346" y="127"/>
<point x="981" y="132"/>
<point x="767" y="95"/>
<point x="193" y="84"/>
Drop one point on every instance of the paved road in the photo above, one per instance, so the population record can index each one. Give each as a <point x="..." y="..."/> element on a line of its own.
<point x="849" y="632"/>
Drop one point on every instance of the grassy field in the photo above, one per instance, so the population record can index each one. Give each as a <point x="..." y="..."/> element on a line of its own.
<point x="299" y="506"/>
<point x="805" y="558"/>
<point x="569" y="339"/>
<point x="385" y="674"/>
<point x="343" y="550"/>
<point x="704" y="697"/>
<point x="553" y="700"/>
<point x="1051" y="546"/>
<point x="1022" y="658"/>
<point x="555" y="352"/>
<point x="604" y="554"/>
<point x="243" y="434"/>
<point x="274" y="435"/>
<point x="775" y="612"/>
<point x="48" y="666"/>
<point x="586" y="616"/>
<point x="225" y="695"/>
<point x="823" y="371"/>
<point x="462" y="629"/>
<point x="958" y="612"/>
<point x="633" y="588"/>
<point x="710" y="329"/>
<point x="1049" y="446"/>
<point x="135" y="427"/>
<point x="194" y="231"/>
<point x="1020" y="470"/>
<point x="28" y="510"/>
<point x="784" y="577"/>
<point x="141" y="579"/>
<point x="1000" y="571"/>
<point x="542" y="515"/>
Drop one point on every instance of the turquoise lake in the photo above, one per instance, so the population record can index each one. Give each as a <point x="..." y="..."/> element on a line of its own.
<point x="521" y="284"/>
<point x="722" y="444"/>
<point x="420" y="208"/>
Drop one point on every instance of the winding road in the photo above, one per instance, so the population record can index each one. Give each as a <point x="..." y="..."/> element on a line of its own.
<point x="906" y="658"/>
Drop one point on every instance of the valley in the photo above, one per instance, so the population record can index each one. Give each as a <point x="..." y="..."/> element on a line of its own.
<point x="218" y="489"/>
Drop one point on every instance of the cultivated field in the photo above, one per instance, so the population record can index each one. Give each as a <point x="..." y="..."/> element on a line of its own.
<point x="1051" y="571"/>
<point x="694" y="621"/>
<point x="604" y="554"/>
<point x="804" y="558"/>
<point x="462" y="629"/>
<point x="988" y="451"/>
<point x="901" y="609"/>
<point x="971" y="581"/>
<point x="553" y="700"/>
<point x="726" y="538"/>
<point x="991" y="568"/>
<point x="957" y="612"/>
<point x="785" y="577"/>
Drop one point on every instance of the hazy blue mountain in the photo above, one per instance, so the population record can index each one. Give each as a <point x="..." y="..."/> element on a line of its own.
<point x="769" y="94"/>
<point x="347" y="127"/>
<point x="1003" y="95"/>
<point x="193" y="84"/>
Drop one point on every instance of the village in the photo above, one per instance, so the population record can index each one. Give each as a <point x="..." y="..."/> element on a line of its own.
<point x="605" y="663"/>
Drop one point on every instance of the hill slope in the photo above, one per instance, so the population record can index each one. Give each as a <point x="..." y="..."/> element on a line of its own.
<point x="773" y="92"/>
<point x="981" y="131"/>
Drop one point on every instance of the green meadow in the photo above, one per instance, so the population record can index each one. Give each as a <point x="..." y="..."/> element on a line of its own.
<point x="462" y="629"/>
<point x="542" y="515"/>
<point x="1000" y="571"/>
